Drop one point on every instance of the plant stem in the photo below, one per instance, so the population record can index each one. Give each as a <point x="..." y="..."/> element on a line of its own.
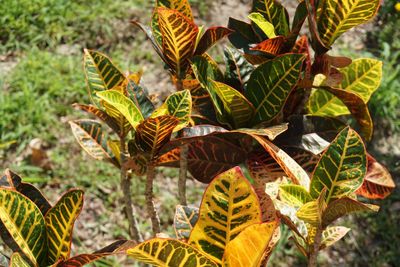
<point x="312" y="258"/>
<point x="183" y="166"/>
<point x="151" y="209"/>
<point x="126" y="189"/>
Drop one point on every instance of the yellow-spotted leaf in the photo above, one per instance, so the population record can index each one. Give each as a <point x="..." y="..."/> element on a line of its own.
<point x="18" y="261"/>
<point x="378" y="183"/>
<point x="334" y="17"/>
<point x="60" y="222"/>
<point x="309" y="213"/>
<point x="169" y="252"/>
<point x="92" y="139"/>
<point x="153" y="133"/>
<point x="274" y="13"/>
<point x="270" y="84"/>
<point x="178" y="105"/>
<point x="178" y="39"/>
<point x="25" y="223"/>
<point x="344" y="206"/>
<point x="101" y="73"/>
<point x="332" y="234"/>
<point x="184" y="220"/>
<point x="124" y="105"/>
<point x="182" y="6"/>
<point x="294" y="195"/>
<point x="342" y="167"/>
<point x="228" y="207"/>
<point x="247" y="249"/>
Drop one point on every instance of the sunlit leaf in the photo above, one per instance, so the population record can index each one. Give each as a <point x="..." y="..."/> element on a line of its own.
<point x="229" y="206"/>
<point x="247" y="249"/>
<point x="267" y="27"/>
<point x="169" y="252"/>
<point x="294" y="195"/>
<point x="182" y="6"/>
<point x="271" y="46"/>
<point x="25" y="223"/>
<point x="271" y="83"/>
<point x="334" y="17"/>
<point x="18" y="261"/>
<point x="274" y="13"/>
<point x="124" y="105"/>
<point x="153" y="133"/>
<point x="178" y="38"/>
<point x="332" y="234"/>
<point x="59" y="224"/>
<point x="378" y="183"/>
<point x="309" y="212"/>
<point x="344" y="206"/>
<point x="101" y="73"/>
<point x="184" y="220"/>
<point x="342" y="167"/>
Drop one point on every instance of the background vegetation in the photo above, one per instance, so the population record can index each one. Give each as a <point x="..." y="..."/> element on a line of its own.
<point x="41" y="44"/>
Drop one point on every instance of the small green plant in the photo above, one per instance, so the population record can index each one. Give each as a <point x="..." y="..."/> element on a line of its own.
<point x="41" y="234"/>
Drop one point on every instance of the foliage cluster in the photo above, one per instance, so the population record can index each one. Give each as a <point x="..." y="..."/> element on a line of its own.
<point x="276" y="110"/>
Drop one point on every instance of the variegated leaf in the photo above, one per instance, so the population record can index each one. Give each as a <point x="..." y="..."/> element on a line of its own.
<point x="182" y="6"/>
<point x="184" y="220"/>
<point x="247" y="249"/>
<point x="342" y="167"/>
<point x="271" y="83"/>
<point x="153" y="133"/>
<point x="238" y="70"/>
<point x="92" y="139"/>
<point x="25" y="223"/>
<point x="271" y="46"/>
<point x="274" y="13"/>
<point x="210" y="38"/>
<point x="178" y="39"/>
<point x="229" y="206"/>
<point x="101" y="73"/>
<point x="294" y="195"/>
<point x="344" y="206"/>
<point x="332" y="234"/>
<point x="124" y="105"/>
<point x="59" y="224"/>
<point x="18" y="261"/>
<point x="169" y="252"/>
<point x="140" y="97"/>
<point x="118" y="247"/>
<point x="335" y="17"/>
<point x="378" y="183"/>
<point x="264" y="25"/>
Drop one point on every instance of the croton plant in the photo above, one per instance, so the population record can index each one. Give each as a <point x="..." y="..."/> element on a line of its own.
<point x="292" y="116"/>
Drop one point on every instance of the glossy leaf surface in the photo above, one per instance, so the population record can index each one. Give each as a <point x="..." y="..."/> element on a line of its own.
<point x="229" y="205"/>
<point x="294" y="195"/>
<point x="274" y="13"/>
<point x="210" y="38"/>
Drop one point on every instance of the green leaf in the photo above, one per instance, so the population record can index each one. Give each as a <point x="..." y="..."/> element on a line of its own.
<point x="92" y="139"/>
<point x="274" y="13"/>
<point x="124" y="105"/>
<point x="332" y="234"/>
<point x="18" y="261"/>
<point x="248" y="248"/>
<point x="59" y="224"/>
<point x="139" y="96"/>
<point x="153" y="133"/>
<point x="309" y="213"/>
<point x="101" y="74"/>
<point x="335" y="17"/>
<point x="178" y="105"/>
<point x="24" y="221"/>
<point x="238" y="70"/>
<point x="271" y="83"/>
<point x="344" y="206"/>
<point x="263" y="24"/>
<point x="342" y="167"/>
<point x="184" y="220"/>
<point x="294" y="195"/>
<point x="178" y="39"/>
<point x="228" y="207"/>
<point x="169" y="252"/>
